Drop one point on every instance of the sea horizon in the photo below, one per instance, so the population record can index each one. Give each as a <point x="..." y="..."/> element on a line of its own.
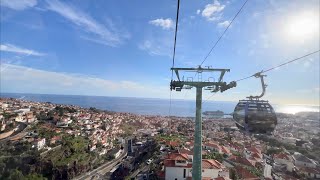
<point x="147" y="105"/>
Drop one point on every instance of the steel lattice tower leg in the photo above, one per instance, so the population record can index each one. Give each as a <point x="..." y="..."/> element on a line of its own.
<point x="213" y="86"/>
<point x="197" y="151"/>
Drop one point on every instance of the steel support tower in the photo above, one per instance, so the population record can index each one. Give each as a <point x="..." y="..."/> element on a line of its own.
<point x="213" y="86"/>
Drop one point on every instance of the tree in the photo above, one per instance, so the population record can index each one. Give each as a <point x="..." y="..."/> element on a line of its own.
<point x="34" y="177"/>
<point x="233" y="174"/>
<point x="273" y="151"/>
<point x="110" y="157"/>
<point x="15" y="175"/>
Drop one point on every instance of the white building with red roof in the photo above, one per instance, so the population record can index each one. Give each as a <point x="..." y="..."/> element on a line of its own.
<point x="212" y="146"/>
<point x="284" y="159"/>
<point x="39" y="143"/>
<point x="178" y="166"/>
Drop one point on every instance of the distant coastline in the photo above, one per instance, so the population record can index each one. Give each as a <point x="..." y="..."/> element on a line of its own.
<point x="146" y="106"/>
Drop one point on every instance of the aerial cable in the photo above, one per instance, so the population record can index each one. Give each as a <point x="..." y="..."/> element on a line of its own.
<point x="296" y="59"/>
<point x="174" y="49"/>
<point x="270" y="69"/>
<point x="215" y="44"/>
<point x="285" y="63"/>
<point x="175" y="38"/>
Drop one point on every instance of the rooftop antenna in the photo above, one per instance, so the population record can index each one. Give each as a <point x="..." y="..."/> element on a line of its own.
<point x="219" y="85"/>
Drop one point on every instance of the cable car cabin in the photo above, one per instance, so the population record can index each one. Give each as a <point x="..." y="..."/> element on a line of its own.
<point x="255" y="116"/>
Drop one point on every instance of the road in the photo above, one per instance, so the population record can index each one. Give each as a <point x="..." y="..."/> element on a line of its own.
<point x="267" y="171"/>
<point x="144" y="168"/>
<point x="103" y="169"/>
<point x="18" y="134"/>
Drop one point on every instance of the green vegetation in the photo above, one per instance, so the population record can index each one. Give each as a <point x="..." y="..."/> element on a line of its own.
<point x="128" y="130"/>
<point x="213" y="155"/>
<point x="34" y="176"/>
<point x="272" y="151"/>
<point x="45" y="133"/>
<point x="17" y="175"/>
<point x="63" y="110"/>
<point x="233" y="174"/>
<point x="9" y="115"/>
<point x="74" y="150"/>
<point x="167" y="137"/>
<point x="19" y="161"/>
<point x="255" y="171"/>
<point x="236" y="153"/>
<point x="313" y="154"/>
<point x="94" y="109"/>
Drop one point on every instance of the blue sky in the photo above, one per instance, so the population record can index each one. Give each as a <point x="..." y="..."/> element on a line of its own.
<point x="124" y="48"/>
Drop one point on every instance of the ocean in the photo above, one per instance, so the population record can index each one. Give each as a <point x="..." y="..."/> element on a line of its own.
<point x="147" y="106"/>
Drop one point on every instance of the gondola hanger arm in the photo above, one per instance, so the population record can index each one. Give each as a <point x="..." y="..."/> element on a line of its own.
<point x="263" y="85"/>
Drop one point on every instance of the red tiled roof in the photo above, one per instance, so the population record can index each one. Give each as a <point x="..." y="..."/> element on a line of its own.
<point x="257" y="155"/>
<point x="206" y="178"/>
<point x="178" y="156"/>
<point x="212" y="145"/>
<point x="254" y="149"/>
<point x="219" y="178"/>
<point x="171" y="163"/>
<point x="206" y="163"/>
<point x="310" y="170"/>
<point x="281" y="156"/>
<point x="242" y="160"/>
<point x="225" y="150"/>
<point x="56" y="138"/>
<point x="210" y="164"/>
<point x="244" y="173"/>
<point x="185" y="151"/>
<point x="203" y="178"/>
<point x="172" y="143"/>
<point x="161" y="174"/>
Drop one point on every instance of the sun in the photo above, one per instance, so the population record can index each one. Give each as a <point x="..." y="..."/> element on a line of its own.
<point x="302" y="26"/>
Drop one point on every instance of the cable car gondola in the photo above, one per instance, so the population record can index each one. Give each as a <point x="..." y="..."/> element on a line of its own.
<point x="254" y="115"/>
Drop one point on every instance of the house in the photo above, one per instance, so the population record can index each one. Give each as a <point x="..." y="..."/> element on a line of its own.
<point x="54" y="139"/>
<point x="312" y="173"/>
<point x="242" y="160"/>
<point x="39" y="143"/>
<point x="2" y="125"/>
<point x="284" y="159"/>
<point x="178" y="166"/>
<point x="226" y="150"/>
<point x="102" y="152"/>
<point x="173" y="143"/>
<point x="243" y="173"/>
<point x="252" y="150"/>
<point x="19" y="118"/>
<point x="30" y="117"/>
<point x="64" y="121"/>
<point x="212" y="146"/>
<point x="302" y="161"/>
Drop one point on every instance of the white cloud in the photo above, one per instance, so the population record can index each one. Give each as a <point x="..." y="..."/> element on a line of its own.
<point x="164" y="23"/>
<point x="198" y="11"/>
<point x="21" y="79"/>
<point x="106" y="35"/>
<point x="19" y="50"/>
<point x="159" y="47"/>
<point x="212" y="11"/>
<point x="18" y="4"/>
<point x="223" y="24"/>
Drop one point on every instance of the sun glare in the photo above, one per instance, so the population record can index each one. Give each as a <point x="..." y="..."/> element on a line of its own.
<point x="292" y="109"/>
<point x="302" y="26"/>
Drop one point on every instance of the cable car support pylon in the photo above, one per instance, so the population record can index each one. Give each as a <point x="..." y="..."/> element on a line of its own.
<point x="213" y="86"/>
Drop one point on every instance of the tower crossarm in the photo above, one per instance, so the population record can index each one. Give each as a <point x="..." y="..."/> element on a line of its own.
<point x="180" y="84"/>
